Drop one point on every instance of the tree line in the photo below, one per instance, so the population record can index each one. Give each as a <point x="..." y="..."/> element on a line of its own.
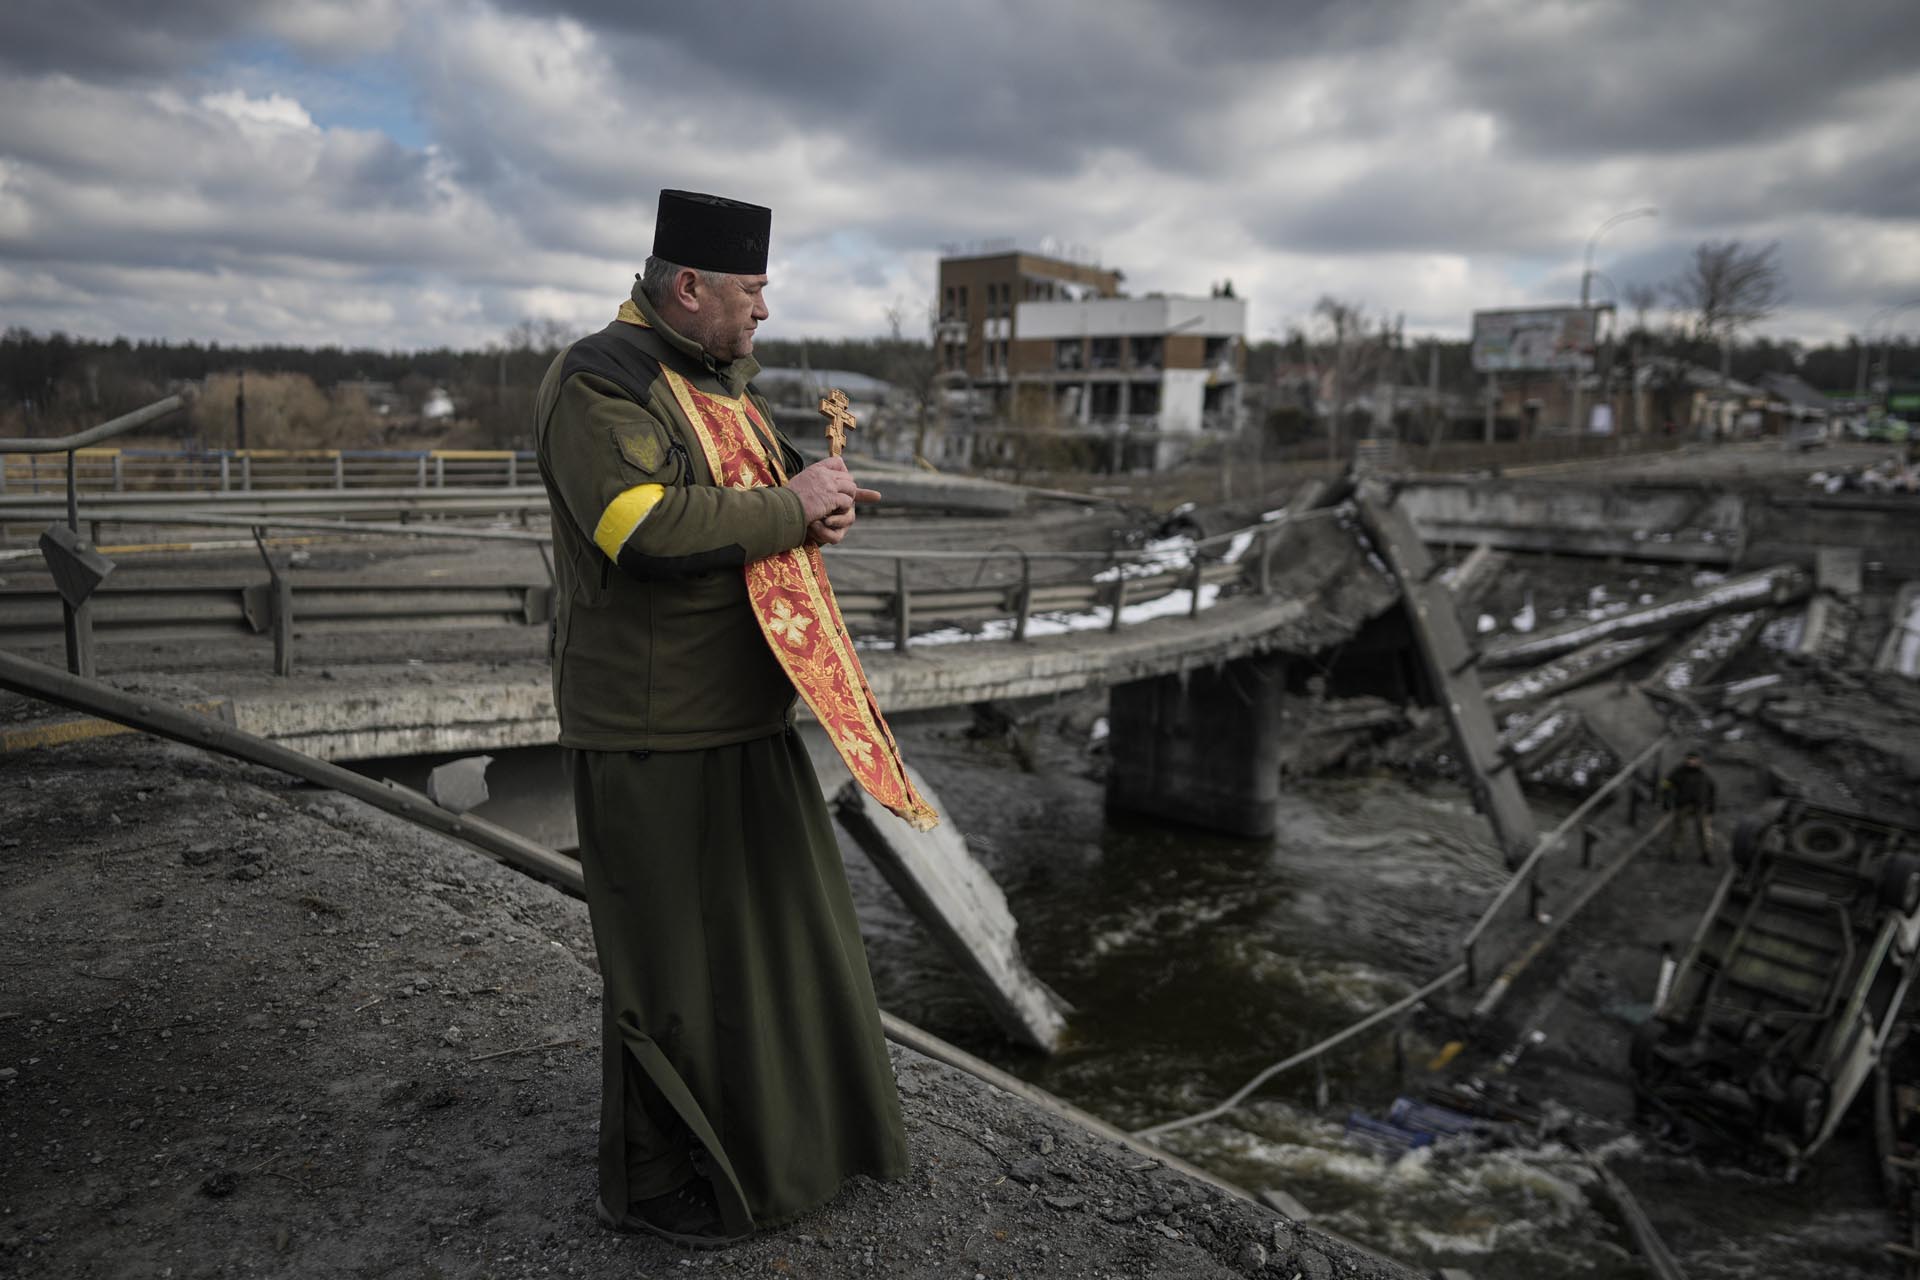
<point x="51" y="384"/>
<point x="54" y="383"/>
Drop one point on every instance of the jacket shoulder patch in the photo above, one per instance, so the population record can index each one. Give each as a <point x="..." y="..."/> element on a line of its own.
<point x="641" y="448"/>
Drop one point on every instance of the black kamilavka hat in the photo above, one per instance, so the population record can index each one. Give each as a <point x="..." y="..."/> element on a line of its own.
<point x="712" y="233"/>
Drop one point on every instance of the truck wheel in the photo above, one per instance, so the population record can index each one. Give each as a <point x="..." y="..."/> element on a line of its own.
<point x="1900" y="883"/>
<point x="1804" y="1109"/>
<point x="1821" y="839"/>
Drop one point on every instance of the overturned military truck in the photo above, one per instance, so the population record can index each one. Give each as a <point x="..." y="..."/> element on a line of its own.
<point x="1791" y="986"/>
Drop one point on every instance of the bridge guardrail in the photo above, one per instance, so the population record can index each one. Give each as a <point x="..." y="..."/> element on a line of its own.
<point x="1127" y="576"/>
<point x="30" y="615"/>
<point x="280" y="508"/>
<point x="105" y="469"/>
<point x="78" y="568"/>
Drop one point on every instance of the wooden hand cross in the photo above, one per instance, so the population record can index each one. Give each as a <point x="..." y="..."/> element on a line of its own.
<point x="833" y="407"/>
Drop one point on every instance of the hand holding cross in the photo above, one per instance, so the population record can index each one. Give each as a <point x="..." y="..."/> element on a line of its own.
<point x="833" y="407"/>
<point x="828" y="490"/>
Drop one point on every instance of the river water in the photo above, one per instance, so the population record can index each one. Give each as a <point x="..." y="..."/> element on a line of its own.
<point x="1194" y="961"/>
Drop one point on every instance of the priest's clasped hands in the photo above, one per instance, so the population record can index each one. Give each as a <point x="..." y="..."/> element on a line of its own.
<point x="828" y="493"/>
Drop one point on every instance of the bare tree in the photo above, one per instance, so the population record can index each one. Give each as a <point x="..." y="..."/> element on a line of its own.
<point x="1726" y="287"/>
<point x="914" y="369"/>
<point x="542" y="337"/>
<point x="1642" y="297"/>
<point x="1346" y="353"/>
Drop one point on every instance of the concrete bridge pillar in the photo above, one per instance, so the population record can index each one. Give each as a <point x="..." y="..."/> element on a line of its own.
<point x="1200" y="747"/>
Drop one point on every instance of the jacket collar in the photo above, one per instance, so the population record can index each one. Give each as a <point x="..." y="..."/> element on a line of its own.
<point x="734" y="375"/>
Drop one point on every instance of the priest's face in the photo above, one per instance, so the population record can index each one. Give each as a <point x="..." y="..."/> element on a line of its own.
<point x="738" y="305"/>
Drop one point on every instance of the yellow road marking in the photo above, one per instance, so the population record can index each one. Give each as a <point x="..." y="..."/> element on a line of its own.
<point x="134" y="548"/>
<point x="81" y="729"/>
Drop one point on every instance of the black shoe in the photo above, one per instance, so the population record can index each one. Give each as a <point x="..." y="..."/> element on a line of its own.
<point x="688" y="1215"/>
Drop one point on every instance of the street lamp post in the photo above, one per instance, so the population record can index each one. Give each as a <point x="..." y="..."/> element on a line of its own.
<point x="1586" y="283"/>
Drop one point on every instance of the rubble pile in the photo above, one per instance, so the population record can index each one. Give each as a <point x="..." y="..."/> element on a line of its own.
<point x="1808" y="674"/>
<point x="1890" y="475"/>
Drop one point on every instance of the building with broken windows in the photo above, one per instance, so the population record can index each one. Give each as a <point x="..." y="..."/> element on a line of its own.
<point x="979" y="293"/>
<point x="1045" y="344"/>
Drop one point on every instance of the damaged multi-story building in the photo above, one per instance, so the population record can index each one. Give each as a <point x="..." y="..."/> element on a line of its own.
<point x="1044" y="343"/>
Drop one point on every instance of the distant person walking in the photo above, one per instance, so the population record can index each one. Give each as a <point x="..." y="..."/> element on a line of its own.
<point x="1689" y="793"/>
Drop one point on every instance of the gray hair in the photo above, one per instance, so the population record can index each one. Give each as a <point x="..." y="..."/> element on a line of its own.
<point x="656" y="277"/>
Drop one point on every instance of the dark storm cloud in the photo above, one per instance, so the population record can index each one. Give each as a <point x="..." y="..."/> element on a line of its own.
<point x="1876" y="179"/>
<point x="93" y="38"/>
<point x="378" y="174"/>
<point x="1421" y="205"/>
<point x="1639" y="76"/>
<point x="1026" y="88"/>
<point x="1413" y="150"/>
<point x="248" y="245"/>
<point x="1872" y="175"/>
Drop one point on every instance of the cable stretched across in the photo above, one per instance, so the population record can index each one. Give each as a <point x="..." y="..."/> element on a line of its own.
<point x="1306" y="1055"/>
<point x="1520" y="875"/>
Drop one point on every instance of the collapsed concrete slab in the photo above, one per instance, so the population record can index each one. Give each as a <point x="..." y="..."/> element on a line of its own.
<point x="1558" y="675"/>
<point x="1778" y="585"/>
<point x="1702" y="655"/>
<point x="1681" y="523"/>
<point x="1475" y="573"/>
<point x="1900" y="651"/>
<point x="1533" y="739"/>
<point x="959" y="904"/>
<point x="1450" y="665"/>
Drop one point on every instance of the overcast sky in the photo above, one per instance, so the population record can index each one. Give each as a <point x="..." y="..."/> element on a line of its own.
<point x="407" y="174"/>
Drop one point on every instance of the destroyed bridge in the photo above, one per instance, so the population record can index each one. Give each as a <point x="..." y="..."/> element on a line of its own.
<point x="1221" y="654"/>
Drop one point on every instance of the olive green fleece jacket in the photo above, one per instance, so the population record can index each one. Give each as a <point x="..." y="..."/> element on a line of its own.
<point x="655" y="643"/>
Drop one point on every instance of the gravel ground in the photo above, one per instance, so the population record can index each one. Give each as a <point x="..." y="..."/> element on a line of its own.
<point x="252" y="1028"/>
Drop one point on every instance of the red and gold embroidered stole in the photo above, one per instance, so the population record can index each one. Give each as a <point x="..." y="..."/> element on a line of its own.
<point x="793" y="602"/>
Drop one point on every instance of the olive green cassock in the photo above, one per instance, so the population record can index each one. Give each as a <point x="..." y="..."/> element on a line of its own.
<point x="738" y="1014"/>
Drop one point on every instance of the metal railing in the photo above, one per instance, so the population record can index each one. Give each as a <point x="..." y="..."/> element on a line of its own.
<point x="274" y="507"/>
<point x="116" y="470"/>
<point x="1525" y="876"/>
<point x="1113" y="589"/>
<point x="78" y="569"/>
<point x="1126" y="576"/>
<point x="30" y="615"/>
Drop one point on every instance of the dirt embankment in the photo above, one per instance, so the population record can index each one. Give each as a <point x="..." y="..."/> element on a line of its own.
<point x="250" y="1028"/>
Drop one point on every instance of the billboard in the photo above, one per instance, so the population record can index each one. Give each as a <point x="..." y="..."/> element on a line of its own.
<point x="1533" y="338"/>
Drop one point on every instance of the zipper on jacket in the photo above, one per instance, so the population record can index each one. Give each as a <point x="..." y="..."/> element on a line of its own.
<point x="679" y="451"/>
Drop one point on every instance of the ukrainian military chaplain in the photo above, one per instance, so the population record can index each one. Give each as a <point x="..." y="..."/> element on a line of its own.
<point x="744" y="1071"/>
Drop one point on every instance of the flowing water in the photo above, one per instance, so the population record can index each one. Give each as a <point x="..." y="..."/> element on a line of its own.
<point x="1194" y="961"/>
